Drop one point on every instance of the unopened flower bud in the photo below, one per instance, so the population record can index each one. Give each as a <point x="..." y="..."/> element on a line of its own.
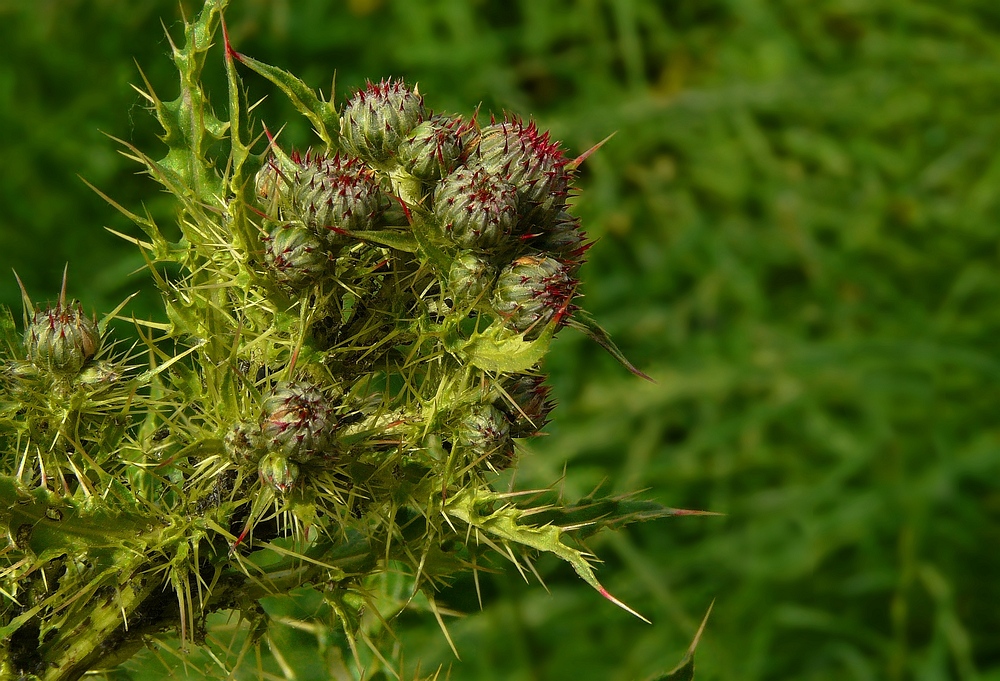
<point x="295" y="256"/>
<point x="485" y="433"/>
<point x="269" y="184"/>
<point x="333" y="196"/>
<point x="526" y="158"/>
<point x="298" y="420"/>
<point x="563" y="238"/>
<point x="378" y="118"/>
<point x="525" y="401"/>
<point x="278" y="472"/>
<point x="469" y="278"/>
<point x="241" y="441"/>
<point x="531" y="292"/>
<point x="434" y="148"/>
<point x="62" y="338"/>
<point x="97" y="375"/>
<point x="475" y="208"/>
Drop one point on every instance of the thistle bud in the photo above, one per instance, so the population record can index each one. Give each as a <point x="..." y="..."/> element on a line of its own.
<point x="295" y="256"/>
<point x="469" y="278"/>
<point x="298" y="421"/>
<point x="278" y="472"/>
<point x="98" y="375"/>
<point x="527" y="159"/>
<point x="525" y="402"/>
<point x="563" y="238"/>
<point x="485" y="433"/>
<point x="241" y="441"/>
<point x="476" y="209"/>
<point x="531" y="292"/>
<point x="333" y="196"/>
<point x="377" y="119"/>
<point x="269" y="183"/>
<point x="434" y="148"/>
<point x="62" y="338"/>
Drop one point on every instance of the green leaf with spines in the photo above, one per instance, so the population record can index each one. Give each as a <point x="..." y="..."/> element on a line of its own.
<point x="501" y="350"/>
<point x="322" y="114"/>
<point x="596" y="512"/>
<point x="67" y="524"/>
<point x="583" y="322"/>
<point x="684" y="671"/>
<point x="394" y="239"/>
<point x="10" y="338"/>
<point x="190" y="127"/>
<point x="477" y="509"/>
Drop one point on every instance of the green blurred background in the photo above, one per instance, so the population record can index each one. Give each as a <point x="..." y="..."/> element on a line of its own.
<point x="797" y="227"/>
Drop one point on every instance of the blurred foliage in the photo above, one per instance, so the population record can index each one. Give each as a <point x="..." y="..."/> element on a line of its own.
<point x="797" y="225"/>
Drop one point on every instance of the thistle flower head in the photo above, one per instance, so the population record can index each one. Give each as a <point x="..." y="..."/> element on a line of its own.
<point x="532" y="291"/>
<point x="563" y="238"/>
<point x="241" y="441"/>
<point x="331" y="196"/>
<point x="526" y="404"/>
<point x="295" y="257"/>
<point x="298" y="421"/>
<point x="62" y="338"/>
<point x="525" y="157"/>
<point x="475" y="208"/>
<point x="434" y="148"/>
<point x="269" y="181"/>
<point x="378" y="118"/>
<point x="469" y="278"/>
<point x="485" y="434"/>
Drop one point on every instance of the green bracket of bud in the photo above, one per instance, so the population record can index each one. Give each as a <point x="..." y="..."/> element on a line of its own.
<point x="400" y="241"/>
<point x="322" y="114"/>
<point x="496" y="350"/>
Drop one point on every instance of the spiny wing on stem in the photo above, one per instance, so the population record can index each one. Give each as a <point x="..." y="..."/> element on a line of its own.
<point x="474" y="508"/>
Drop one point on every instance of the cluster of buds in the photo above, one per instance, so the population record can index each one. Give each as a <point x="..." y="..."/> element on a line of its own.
<point x="484" y="208"/>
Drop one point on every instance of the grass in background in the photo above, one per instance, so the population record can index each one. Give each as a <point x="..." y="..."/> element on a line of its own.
<point x="797" y="225"/>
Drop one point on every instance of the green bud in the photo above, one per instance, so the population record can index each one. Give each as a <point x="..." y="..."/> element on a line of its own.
<point x="298" y="420"/>
<point x="62" y="338"/>
<point x="270" y="184"/>
<point x="476" y="209"/>
<point x="526" y="158"/>
<point x="434" y="148"/>
<point x="531" y="292"/>
<point x="18" y="370"/>
<point x="278" y="471"/>
<point x="377" y="119"/>
<point x="485" y="433"/>
<point x="241" y="441"/>
<point x="469" y="278"/>
<point x="333" y="196"/>
<point x="98" y="375"/>
<point x="563" y="238"/>
<point x="295" y="256"/>
<point x="525" y="401"/>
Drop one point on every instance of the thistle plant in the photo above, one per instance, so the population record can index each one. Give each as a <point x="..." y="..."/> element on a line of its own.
<point x="351" y="356"/>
